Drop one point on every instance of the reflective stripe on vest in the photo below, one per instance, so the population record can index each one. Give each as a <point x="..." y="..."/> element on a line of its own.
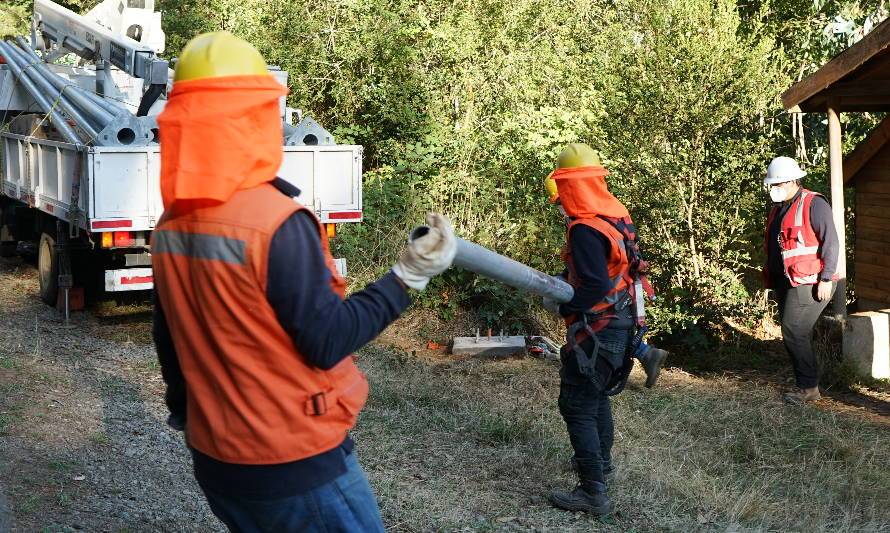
<point x="617" y="266"/>
<point x="199" y="246"/>
<point x="252" y="398"/>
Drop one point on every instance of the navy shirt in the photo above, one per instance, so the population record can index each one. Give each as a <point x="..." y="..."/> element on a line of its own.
<point x="325" y="329"/>
<point x="590" y="257"/>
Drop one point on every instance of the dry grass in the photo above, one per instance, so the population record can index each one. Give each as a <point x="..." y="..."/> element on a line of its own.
<point x="476" y="445"/>
<point x="449" y="445"/>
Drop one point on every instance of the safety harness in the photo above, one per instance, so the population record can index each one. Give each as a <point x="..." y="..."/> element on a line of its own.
<point x="637" y="290"/>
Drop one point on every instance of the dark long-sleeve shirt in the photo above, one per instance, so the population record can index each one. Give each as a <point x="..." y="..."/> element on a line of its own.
<point x="822" y="222"/>
<point x="590" y="257"/>
<point x="324" y="328"/>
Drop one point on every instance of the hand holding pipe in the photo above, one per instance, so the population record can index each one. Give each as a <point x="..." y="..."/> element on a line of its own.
<point x="482" y="261"/>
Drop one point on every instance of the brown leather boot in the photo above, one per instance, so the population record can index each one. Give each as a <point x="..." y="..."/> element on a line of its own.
<point x="802" y="396"/>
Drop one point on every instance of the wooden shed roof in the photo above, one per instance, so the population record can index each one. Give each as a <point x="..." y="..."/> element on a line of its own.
<point x="858" y="77"/>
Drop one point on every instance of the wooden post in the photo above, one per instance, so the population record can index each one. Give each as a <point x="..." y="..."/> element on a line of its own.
<point x="836" y="162"/>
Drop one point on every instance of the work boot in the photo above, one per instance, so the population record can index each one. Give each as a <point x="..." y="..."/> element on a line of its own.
<point x="652" y="362"/>
<point x="802" y="396"/>
<point x="589" y="497"/>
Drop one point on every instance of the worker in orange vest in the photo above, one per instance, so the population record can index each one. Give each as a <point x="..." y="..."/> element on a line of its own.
<point x="801" y="260"/>
<point x="605" y="320"/>
<point x="252" y="324"/>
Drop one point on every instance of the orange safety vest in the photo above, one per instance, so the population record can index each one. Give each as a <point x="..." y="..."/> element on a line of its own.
<point x="797" y="241"/>
<point x="251" y="396"/>
<point x="618" y="268"/>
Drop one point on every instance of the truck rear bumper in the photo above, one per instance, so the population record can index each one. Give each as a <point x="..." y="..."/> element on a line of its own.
<point x="142" y="279"/>
<point x="129" y="279"/>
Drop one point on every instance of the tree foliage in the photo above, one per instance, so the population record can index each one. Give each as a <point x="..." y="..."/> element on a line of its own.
<point x="463" y="106"/>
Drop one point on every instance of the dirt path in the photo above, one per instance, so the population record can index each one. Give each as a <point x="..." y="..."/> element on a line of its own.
<point x="83" y="442"/>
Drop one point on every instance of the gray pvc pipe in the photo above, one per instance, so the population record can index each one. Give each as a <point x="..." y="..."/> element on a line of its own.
<point x="60" y="124"/>
<point x="109" y="105"/>
<point x="82" y="121"/>
<point x="70" y="90"/>
<point x="470" y="256"/>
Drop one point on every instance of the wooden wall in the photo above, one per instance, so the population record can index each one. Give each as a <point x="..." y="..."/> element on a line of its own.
<point x="872" y="246"/>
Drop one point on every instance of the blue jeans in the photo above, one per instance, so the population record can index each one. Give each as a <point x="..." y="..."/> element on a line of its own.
<point x="346" y="504"/>
<point x="642" y="350"/>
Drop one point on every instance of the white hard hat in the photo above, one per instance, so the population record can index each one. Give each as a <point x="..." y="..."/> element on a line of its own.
<point x="782" y="169"/>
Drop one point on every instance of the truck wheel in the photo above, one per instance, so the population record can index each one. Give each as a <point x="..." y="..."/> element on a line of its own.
<point x="7" y="247"/>
<point x="48" y="269"/>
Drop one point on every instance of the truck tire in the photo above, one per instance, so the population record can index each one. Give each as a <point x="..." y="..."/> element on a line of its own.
<point x="7" y="248"/>
<point x="48" y="269"/>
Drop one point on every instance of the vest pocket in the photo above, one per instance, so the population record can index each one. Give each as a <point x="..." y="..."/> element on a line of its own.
<point x="806" y="267"/>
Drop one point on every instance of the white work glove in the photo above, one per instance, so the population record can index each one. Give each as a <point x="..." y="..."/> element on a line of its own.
<point x="428" y="255"/>
<point x="550" y="305"/>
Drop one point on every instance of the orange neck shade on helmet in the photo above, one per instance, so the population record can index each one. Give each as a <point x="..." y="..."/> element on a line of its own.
<point x="219" y="135"/>
<point x="583" y="193"/>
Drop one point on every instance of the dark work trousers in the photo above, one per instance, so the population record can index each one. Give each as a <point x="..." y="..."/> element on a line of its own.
<point x="587" y="410"/>
<point x="799" y="310"/>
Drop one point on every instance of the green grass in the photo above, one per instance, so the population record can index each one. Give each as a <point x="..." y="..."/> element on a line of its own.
<point x="59" y="466"/>
<point x="478" y="444"/>
<point x="31" y="504"/>
<point x="6" y="420"/>
<point x="100" y="438"/>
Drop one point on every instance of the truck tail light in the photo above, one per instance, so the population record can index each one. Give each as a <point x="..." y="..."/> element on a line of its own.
<point x="331" y="230"/>
<point x="122" y="239"/>
<point x="107" y="239"/>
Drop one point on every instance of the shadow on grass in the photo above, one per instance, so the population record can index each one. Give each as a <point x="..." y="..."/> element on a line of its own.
<point x="743" y="356"/>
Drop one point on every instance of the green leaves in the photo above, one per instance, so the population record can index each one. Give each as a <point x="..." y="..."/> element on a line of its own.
<point x="463" y="106"/>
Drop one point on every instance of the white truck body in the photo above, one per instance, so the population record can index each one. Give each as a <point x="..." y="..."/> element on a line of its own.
<point x="120" y="187"/>
<point x="119" y="86"/>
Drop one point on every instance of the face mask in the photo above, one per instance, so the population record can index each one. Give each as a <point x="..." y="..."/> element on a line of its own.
<point x="777" y="194"/>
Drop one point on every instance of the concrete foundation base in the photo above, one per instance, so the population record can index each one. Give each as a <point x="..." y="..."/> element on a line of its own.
<point x="488" y="346"/>
<point x="867" y="343"/>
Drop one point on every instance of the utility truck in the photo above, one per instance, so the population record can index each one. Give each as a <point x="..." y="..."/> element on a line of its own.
<point x="79" y="154"/>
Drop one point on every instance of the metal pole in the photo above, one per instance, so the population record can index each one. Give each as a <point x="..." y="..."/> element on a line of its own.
<point x="470" y="256"/>
<point x="82" y="121"/>
<point x="836" y="162"/>
<point x="68" y="89"/>
<point x="60" y="124"/>
<point x="109" y="105"/>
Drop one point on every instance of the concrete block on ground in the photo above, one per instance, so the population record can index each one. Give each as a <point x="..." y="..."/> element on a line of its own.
<point x="867" y="343"/>
<point x="488" y="346"/>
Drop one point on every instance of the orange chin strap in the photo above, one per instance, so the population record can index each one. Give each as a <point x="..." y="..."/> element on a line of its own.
<point x="219" y="135"/>
<point x="584" y="194"/>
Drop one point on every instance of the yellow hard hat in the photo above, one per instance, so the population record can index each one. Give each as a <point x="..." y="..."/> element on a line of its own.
<point x="216" y="54"/>
<point x="550" y="187"/>
<point x="572" y="156"/>
<point x="578" y="155"/>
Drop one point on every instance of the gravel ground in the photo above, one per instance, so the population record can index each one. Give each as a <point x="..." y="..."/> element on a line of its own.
<point x="83" y="443"/>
